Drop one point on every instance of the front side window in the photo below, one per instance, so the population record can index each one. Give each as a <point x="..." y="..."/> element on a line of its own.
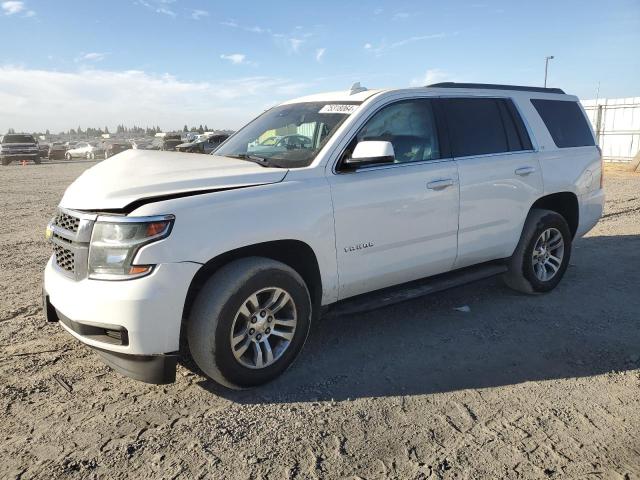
<point x="409" y="125"/>
<point x="288" y="136"/>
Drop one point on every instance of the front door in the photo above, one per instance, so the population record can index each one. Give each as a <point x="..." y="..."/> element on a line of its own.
<point x="396" y="222"/>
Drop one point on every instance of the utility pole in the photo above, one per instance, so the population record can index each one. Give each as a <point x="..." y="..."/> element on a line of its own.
<point x="546" y="68"/>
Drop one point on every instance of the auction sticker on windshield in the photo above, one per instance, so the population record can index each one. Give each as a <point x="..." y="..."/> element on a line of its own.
<point x="335" y="108"/>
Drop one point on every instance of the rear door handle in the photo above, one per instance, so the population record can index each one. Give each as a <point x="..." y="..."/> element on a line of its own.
<point x="440" y="184"/>
<point x="524" y="171"/>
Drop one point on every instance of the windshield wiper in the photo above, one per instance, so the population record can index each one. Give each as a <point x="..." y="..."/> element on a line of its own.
<point x="265" y="162"/>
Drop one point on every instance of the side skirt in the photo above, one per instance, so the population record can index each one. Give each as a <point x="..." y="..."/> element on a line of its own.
<point x="418" y="288"/>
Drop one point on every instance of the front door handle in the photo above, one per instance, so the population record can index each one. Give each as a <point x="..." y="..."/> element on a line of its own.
<point x="440" y="184"/>
<point x="524" y="171"/>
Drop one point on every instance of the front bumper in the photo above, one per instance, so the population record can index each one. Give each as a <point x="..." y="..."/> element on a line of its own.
<point x="20" y="156"/>
<point x="134" y="325"/>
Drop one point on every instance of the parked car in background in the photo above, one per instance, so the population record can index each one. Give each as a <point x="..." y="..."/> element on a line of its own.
<point x="57" y="150"/>
<point x="171" y="141"/>
<point x="43" y="149"/>
<point x="113" y="148"/>
<point x="141" y="144"/>
<point x="88" y="150"/>
<point x="18" y="146"/>
<point x="203" y="143"/>
<point x="279" y="144"/>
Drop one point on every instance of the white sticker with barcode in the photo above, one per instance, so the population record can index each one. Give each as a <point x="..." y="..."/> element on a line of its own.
<point x="335" y="108"/>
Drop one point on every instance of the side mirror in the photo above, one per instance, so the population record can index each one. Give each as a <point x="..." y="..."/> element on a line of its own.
<point x="370" y="152"/>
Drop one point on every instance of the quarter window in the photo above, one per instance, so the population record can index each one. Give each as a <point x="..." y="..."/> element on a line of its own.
<point x="409" y="125"/>
<point x="565" y="121"/>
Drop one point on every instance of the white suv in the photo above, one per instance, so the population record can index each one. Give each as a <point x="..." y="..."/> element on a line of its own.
<point x="389" y="194"/>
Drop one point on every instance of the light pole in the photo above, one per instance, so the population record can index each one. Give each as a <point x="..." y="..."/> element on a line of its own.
<point x="546" y="68"/>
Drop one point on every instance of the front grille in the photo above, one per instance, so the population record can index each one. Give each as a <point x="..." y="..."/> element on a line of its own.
<point x="66" y="221"/>
<point x="65" y="258"/>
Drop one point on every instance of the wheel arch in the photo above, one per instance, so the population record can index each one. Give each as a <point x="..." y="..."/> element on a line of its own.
<point x="563" y="203"/>
<point x="294" y="253"/>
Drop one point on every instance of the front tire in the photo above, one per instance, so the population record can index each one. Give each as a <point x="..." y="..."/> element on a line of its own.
<point x="542" y="255"/>
<point x="90" y="156"/>
<point x="249" y="322"/>
<point x="67" y="156"/>
<point x="37" y="160"/>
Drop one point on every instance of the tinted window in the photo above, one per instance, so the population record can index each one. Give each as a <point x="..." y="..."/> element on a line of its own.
<point x="410" y="127"/>
<point x="475" y="126"/>
<point x="565" y="121"/>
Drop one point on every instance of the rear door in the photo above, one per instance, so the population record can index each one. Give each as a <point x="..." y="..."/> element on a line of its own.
<point x="499" y="173"/>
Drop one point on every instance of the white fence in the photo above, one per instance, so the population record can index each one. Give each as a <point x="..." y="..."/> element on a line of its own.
<point x="616" y="122"/>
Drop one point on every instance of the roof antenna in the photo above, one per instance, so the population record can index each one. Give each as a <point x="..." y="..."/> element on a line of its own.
<point x="357" y="88"/>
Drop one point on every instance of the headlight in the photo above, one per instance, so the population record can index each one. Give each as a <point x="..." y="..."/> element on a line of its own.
<point x="115" y="242"/>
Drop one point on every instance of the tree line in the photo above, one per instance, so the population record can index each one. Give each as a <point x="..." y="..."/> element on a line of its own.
<point x="120" y="129"/>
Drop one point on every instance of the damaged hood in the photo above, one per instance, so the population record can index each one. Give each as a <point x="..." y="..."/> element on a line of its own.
<point x="141" y="174"/>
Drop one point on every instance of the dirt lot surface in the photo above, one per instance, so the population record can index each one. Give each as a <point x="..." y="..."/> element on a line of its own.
<point x="519" y="387"/>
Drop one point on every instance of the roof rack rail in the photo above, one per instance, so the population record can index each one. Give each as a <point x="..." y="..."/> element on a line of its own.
<point x="492" y="86"/>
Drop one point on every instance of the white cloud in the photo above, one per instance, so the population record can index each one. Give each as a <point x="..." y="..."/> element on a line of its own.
<point x="36" y="100"/>
<point x="166" y="11"/>
<point x="12" y="7"/>
<point x="320" y="54"/>
<point x="198" y="14"/>
<point x="159" y="6"/>
<point x="229" y="23"/>
<point x="378" y="11"/>
<point x="432" y="75"/>
<point x="91" y="57"/>
<point x="384" y="47"/>
<point x="401" y="16"/>
<point x="294" y="44"/>
<point x="235" y="58"/>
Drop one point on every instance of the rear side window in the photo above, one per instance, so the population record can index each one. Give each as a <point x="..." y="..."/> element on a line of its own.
<point x="481" y="126"/>
<point x="565" y="121"/>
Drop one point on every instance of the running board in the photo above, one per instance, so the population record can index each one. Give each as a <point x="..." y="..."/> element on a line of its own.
<point x="419" y="288"/>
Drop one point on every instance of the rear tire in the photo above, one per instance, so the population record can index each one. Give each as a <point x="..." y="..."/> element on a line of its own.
<point x="6" y="161"/>
<point x="223" y="311"/>
<point x="542" y="255"/>
<point x="37" y="160"/>
<point x="67" y="156"/>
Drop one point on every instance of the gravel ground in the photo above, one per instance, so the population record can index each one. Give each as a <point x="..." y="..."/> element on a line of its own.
<point x="519" y="387"/>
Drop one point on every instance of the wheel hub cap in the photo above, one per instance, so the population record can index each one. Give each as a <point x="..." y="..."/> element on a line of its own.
<point x="548" y="253"/>
<point x="263" y="327"/>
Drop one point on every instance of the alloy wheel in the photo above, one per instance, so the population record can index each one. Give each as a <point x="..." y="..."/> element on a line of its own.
<point x="548" y="253"/>
<point x="263" y="328"/>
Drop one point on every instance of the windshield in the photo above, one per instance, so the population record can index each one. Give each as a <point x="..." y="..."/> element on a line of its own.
<point x="289" y="136"/>
<point x="18" y="139"/>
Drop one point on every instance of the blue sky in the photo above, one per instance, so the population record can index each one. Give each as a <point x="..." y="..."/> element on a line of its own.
<point x="171" y="62"/>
